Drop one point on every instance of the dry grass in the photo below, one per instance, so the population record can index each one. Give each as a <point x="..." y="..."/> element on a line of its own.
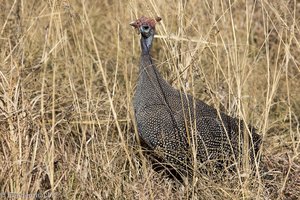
<point x="67" y="75"/>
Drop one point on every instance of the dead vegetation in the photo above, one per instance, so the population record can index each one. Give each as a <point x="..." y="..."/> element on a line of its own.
<point x="67" y="76"/>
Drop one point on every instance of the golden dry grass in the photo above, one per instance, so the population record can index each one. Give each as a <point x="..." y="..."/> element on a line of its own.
<point x="68" y="71"/>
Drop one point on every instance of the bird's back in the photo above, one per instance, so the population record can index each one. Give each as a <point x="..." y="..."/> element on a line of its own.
<point x="172" y="127"/>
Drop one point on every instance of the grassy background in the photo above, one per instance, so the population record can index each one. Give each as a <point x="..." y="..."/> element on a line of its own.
<point x="68" y="71"/>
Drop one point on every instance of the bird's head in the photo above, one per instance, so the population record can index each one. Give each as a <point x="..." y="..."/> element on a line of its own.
<point x="145" y="25"/>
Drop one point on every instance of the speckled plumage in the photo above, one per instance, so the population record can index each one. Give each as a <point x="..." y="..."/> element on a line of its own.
<point x="172" y="123"/>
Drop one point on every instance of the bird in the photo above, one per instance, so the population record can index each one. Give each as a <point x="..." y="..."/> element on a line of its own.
<point x="177" y="127"/>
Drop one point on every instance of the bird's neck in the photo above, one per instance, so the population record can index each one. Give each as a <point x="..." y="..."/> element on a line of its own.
<point x="147" y="67"/>
<point x="151" y="84"/>
<point x="146" y="44"/>
<point x="149" y="75"/>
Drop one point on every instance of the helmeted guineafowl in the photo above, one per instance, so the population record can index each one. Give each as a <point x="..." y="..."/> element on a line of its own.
<point x="172" y="123"/>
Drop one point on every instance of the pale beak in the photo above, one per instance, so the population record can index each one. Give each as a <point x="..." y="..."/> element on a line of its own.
<point x="133" y="23"/>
